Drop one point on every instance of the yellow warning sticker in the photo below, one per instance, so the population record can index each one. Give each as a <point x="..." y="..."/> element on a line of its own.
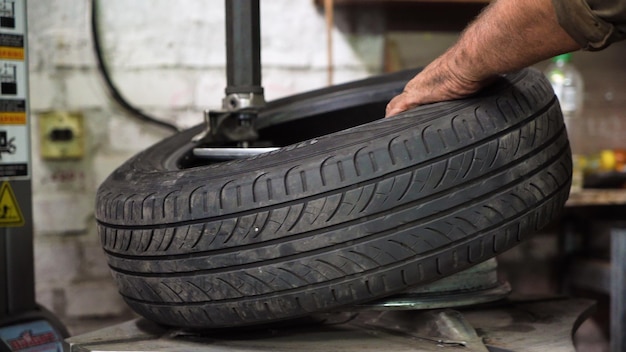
<point x="10" y="213"/>
<point x="12" y="118"/>
<point x="9" y="53"/>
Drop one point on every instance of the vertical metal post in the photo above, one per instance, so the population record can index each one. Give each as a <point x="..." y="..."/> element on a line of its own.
<point x="243" y="47"/>
<point x="17" y="282"/>
<point x="244" y="93"/>
<point x="20" y="277"/>
<point x="618" y="290"/>
<point x="4" y="289"/>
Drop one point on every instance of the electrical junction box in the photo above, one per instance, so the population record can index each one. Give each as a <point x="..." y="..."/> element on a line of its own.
<point x="61" y="135"/>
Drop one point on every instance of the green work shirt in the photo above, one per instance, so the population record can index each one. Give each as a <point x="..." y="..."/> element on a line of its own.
<point x="594" y="24"/>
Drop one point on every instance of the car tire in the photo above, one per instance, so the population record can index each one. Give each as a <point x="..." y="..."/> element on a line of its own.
<point x="339" y="215"/>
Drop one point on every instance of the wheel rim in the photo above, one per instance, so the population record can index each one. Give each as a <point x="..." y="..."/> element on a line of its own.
<point x="284" y="130"/>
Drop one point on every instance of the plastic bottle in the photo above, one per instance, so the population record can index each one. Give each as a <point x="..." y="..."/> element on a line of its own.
<point x="568" y="86"/>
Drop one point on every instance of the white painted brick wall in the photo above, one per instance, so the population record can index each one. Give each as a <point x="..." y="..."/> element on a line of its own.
<point x="56" y="261"/>
<point x="94" y="299"/>
<point x="166" y="88"/>
<point x="83" y="89"/>
<point x="168" y="58"/>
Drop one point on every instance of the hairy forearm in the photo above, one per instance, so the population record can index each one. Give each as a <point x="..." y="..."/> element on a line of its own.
<point x="507" y="36"/>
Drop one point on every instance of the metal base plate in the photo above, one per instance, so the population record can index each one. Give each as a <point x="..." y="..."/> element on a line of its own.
<point x="521" y="325"/>
<point x="476" y="285"/>
<point x="451" y="299"/>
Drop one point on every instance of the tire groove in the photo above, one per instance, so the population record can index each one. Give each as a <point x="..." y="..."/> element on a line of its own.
<point x="392" y="156"/>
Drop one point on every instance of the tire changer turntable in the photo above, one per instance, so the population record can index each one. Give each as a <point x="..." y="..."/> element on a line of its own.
<point x="468" y="311"/>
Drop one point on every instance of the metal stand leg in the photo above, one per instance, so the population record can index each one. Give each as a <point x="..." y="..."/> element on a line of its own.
<point x="4" y="287"/>
<point x="618" y="290"/>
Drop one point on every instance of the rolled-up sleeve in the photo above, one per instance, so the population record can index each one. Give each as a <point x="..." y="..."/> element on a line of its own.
<point x="594" y="24"/>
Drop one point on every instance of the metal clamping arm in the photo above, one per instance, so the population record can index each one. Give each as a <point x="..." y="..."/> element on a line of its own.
<point x="235" y="122"/>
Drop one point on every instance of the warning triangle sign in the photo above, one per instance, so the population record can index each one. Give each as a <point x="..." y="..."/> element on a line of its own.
<point x="10" y="213"/>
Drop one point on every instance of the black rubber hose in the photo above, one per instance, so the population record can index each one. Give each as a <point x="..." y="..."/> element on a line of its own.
<point x="115" y="93"/>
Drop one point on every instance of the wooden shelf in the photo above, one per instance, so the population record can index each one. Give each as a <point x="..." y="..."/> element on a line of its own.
<point x="597" y="197"/>
<point x="387" y="2"/>
<point x="416" y="15"/>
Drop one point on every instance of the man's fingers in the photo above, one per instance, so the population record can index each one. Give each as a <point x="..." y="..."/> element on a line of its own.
<point x="398" y="104"/>
<point x="392" y="111"/>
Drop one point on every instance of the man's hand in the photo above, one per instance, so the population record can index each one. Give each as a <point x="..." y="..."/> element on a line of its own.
<point x="509" y="35"/>
<point x="437" y="82"/>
